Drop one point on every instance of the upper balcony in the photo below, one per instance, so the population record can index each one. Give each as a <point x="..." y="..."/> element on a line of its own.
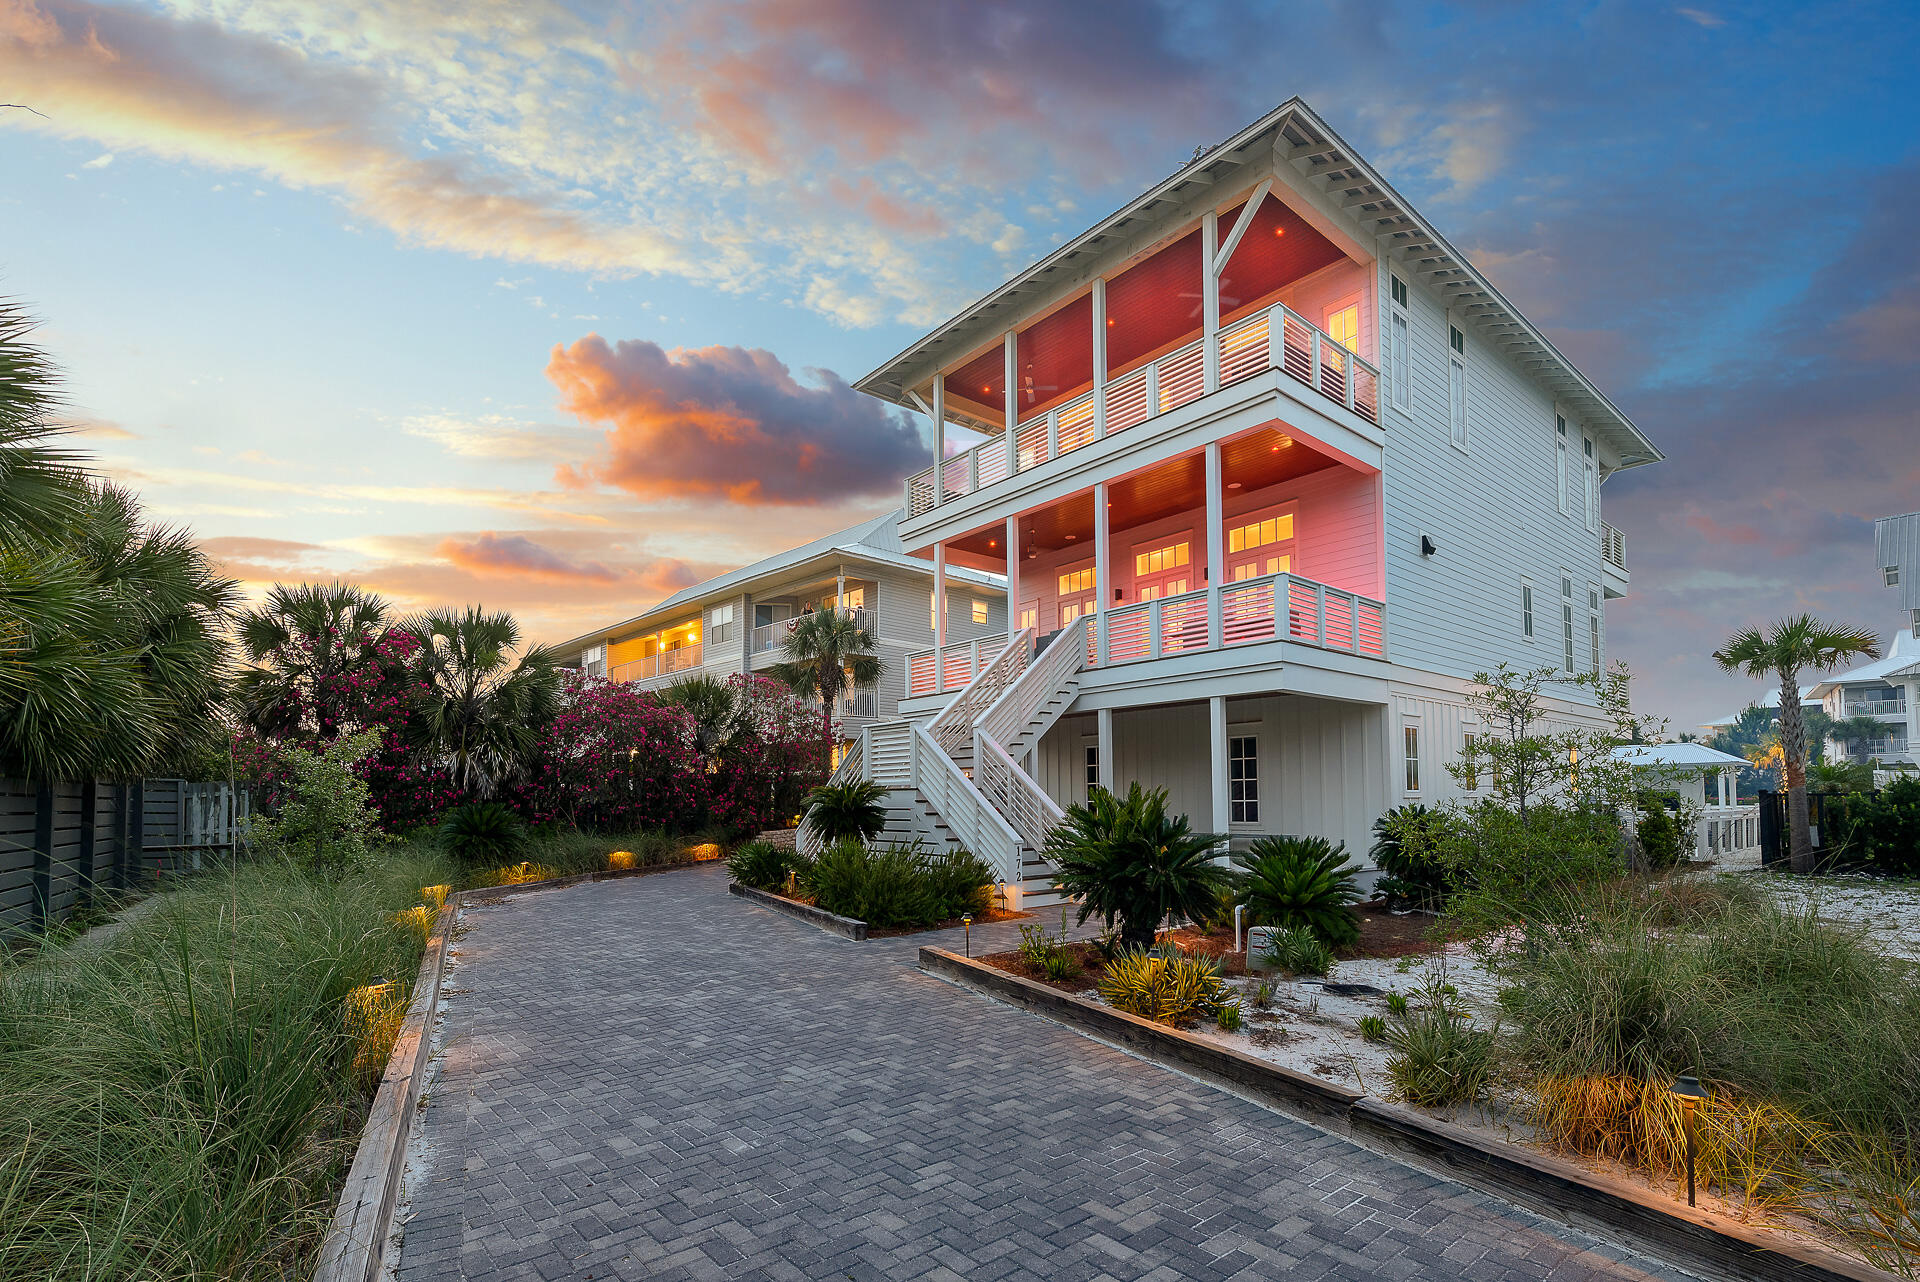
<point x="769" y="638"/>
<point x="665" y="664"/>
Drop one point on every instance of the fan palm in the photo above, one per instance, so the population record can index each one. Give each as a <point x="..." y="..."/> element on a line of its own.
<point x="714" y="709"/>
<point x="41" y="485"/>
<point x="1793" y="644"/>
<point x="1858" y="730"/>
<point x="483" y="711"/>
<point x="302" y="642"/>
<point x="827" y="652"/>
<point x="1129" y="861"/>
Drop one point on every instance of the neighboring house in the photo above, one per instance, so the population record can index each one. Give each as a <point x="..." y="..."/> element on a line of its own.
<point x="1888" y="689"/>
<point x="739" y="621"/>
<point x="1272" y="470"/>
<point x="1723" y="829"/>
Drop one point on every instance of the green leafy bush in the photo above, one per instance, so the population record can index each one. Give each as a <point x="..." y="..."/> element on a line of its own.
<point x="1405" y="850"/>
<point x="1047" y="955"/>
<point x="1302" y="883"/>
<point x="325" y="818"/>
<point x="1297" y="952"/>
<point x="957" y="882"/>
<point x="1133" y="865"/>
<point x="483" y="832"/>
<point x="1509" y="867"/>
<point x="1882" y="832"/>
<point x="848" y="811"/>
<point x="760" y="865"/>
<point x="1371" y="1028"/>
<point x="897" y="885"/>
<point x="1166" y="988"/>
<point x="1228" y="1017"/>
<point x="1659" y="829"/>
<point x="1439" y="1057"/>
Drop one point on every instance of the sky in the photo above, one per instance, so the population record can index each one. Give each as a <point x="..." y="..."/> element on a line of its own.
<point x="554" y="307"/>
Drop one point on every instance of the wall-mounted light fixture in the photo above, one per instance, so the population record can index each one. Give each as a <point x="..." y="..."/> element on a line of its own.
<point x="1427" y="546"/>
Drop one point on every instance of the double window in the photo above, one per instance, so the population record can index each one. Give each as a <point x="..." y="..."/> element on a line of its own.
<point x="1243" y="779"/>
<point x="720" y="624"/>
<point x="1161" y="571"/>
<point x="1076" y="594"/>
<point x="1343" y="325"/>
<point x="1263" y="546"/>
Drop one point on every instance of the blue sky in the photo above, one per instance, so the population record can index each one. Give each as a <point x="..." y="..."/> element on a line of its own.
<point x="323" y="276"/>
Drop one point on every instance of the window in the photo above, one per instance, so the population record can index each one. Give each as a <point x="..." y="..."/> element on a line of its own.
<point x="979" y="611"/>
<point x="1264" y="546"/>
<point x="1470" y="778"/>
<point x="1566" y="619"/>
<point x="933" y="611"/>
<point x="1397" y="367"/>
<point x="1560" y="459"/>
<point x="1078" y="585"/>
<point x="1457" y="399"/>
<point x="1916" y="621"/>
<point x="1457" y="339"/>
<point x="1526" y="610"/>
<point x="1343" y="326"/>
<point x="1593" y="642"/>
<point x="1030" y="617"/>
<point x="1891" y="574"/>
<point x="1161" y="571"/>
<point x="1243" y="779"/>
<point x="1592" y="492"/>
<point x="1092" y="755"/>
<point x="1411" y="748"/>
<point x="853" y="599"/>
<point x="1080" y="580"/>
<point x="1399" y="290"/>
<point x="720" y="624"/>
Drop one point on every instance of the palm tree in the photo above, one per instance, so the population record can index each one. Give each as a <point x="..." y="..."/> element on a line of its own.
<point x="714" y="708"/>
<point x="1793" y="644"/>
<point x="41" y="485"/>
<point x="1127" y="860"/>
<point x="302" y="643"/>
<point x="483" y="711"/>
<point x="1855" y="731"/>
<point x="826" y="653"/>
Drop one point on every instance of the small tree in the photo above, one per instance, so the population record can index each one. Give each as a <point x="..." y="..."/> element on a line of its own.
<point x="1129" y="861"/>
<point x="1793" y="644"/>
<point x="324" y="817"/>
<point x="483" y="710"/>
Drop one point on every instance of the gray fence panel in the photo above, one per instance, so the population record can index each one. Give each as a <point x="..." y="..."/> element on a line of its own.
<point x="66" y="880"/>
<point x="16" y="851"/>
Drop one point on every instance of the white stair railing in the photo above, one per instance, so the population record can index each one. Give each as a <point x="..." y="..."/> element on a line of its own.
<point x="971" y="818"/>
<point x="808" y="839"/>
<point x="1014" y="793"/>
<point x="953" y="728"/>
<point x="1007" y="717"/>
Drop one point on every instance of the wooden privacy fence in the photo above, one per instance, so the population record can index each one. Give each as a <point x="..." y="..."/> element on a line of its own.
<point x="61" y="842"/>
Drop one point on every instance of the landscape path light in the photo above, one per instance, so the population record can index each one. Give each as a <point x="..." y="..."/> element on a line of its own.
<point x="1687" y="1090"/>
<point x="966" y="927"/>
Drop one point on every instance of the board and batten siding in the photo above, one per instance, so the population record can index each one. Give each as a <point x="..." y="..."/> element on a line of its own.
<point x="1493" y="510"/>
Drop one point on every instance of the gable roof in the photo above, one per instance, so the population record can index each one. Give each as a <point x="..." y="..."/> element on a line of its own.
<point x="1292" y="133"/>
<point x="1898" y="664"/>
<point x="875" y="541"/>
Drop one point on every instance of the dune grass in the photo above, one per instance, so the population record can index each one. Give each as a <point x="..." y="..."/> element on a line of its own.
<point x="182" y="1101"/>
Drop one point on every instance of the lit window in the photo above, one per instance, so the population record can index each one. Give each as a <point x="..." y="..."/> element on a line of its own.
<point x="1265" y="540"/>
<point x="979" y="611"/>
<point x="1526" y="610"/>
<point x="1080" y="580"/>
<point x="1343" y="326"/>
<point x="1274" y="529"/>
<point x="1471" y="780"/>
<point x="1160" y="560"/>
<point x="1159" y="572"/>
<point x="1030" y="617"/>
<point x="1071" y="610"/>
<point x="933" y="610"/>
<point x="1412" y="751"/>
<point x="1243" y="779"/>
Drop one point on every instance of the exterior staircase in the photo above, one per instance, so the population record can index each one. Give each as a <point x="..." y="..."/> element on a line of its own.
<point x="957" y="781"/>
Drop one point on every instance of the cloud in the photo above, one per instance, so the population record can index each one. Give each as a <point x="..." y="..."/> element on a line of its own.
<point x="517" y="555"/>
<point x="101" y="429"/>
<point x="496" y="436"/>
<point x="1701" y="17"/>
<point x="99" y="162"/>
<point x="249" y="548"/>
<point x="729" y="422"/>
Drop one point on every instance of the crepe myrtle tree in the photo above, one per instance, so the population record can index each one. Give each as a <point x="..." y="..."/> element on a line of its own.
<point x="1791" y="645"/>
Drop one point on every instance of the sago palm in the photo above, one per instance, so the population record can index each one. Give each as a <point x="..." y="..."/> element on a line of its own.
<point x="1301" y="883"/>
<point x="1129" y="862"/>
<point x="483" y="711"/>
<point x="827" y="652"/>
<point x="1793" y="644"/>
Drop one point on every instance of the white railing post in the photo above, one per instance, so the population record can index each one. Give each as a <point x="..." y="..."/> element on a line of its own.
<point x="1053" y="433"/>
<point x="1349" y="380"/>
<point x="1216" y="620"/>
<point x="1099" y="357"/>
<point x="1153" y="629"/>
<point x="973" y="466"/>
<point x="1313" y="349"/>
<point x="939" y="439"/>
<point x="1282" y="607"/>
<point x="1153" y="389"/>
<point x="1276" y="336"/>
<point x="1320" y="615"/>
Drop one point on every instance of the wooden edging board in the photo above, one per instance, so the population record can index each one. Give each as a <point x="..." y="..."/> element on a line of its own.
<point x="1551" y="1186"/>
<point x="845" y="927"/>
<point x="355" y="1245"/>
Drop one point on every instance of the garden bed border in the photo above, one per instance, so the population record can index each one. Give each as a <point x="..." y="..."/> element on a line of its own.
<point x="355" y="1245"/>
<point x="833" y="924"/>
<point x="1550" y="1186"/>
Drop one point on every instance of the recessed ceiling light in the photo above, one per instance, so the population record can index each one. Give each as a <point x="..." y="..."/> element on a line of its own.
<point x="1233" y="485"/>
<point x="1072" y="537"/>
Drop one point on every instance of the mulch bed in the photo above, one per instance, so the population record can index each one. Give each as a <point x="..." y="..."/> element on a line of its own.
<point x="1382" y="934"/>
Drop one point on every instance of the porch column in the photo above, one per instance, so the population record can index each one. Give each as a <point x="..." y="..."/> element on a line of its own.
<point x="1099" y="357"/>
<point x="939" y="439"/>
<point x="1013" y="576"/>
<point x="1217" y="742"/>
<point x="939" y="599"/>
<point x="1101" y="589"/>
<point x="840" y="589"/>
<point x="1210" y="297"/>
<point x="1013" y="402"/>
<point x="1216" y="547"/>
<point x="1103" y="748"/>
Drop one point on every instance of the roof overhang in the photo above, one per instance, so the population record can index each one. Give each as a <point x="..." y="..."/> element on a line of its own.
<point x="1323" y="163"/>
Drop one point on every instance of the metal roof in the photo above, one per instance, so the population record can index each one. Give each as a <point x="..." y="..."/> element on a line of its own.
<point x="1298" y="139"/>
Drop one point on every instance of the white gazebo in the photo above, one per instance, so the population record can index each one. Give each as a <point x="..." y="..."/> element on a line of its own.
<point x="1727" y="831"/>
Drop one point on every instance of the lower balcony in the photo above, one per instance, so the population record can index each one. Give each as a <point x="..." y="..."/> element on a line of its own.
<point x="667" y="663"/>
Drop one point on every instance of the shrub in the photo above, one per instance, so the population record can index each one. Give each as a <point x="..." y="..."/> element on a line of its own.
<point x="1133" y="865"/>
<point x="1881" y="831"/>
<point x="957" y="882"/>
<point x="1301" y="883"/>
<point x="1439" y="1057"/>
<point x="1371" y="1028"/>
<point x="1048" y="956"/>
<point x="1659" y="830"/>
<point x="1297" y="952"/>
<point x="1228" y="1017"/>
<point x="324" y="818"/>
<point x="1405" y="850"/>
<point x="1168" y="989"/>
<point x="1509" y="867"/>
<point x="896" y="885"/>
<point x="760" y="865"/>
<point x="482" y="832"/>
<point x="848" y="811"/>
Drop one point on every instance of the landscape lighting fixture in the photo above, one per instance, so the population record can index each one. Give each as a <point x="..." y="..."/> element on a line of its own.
<point x="1687" y="1091"/>
<point x="966" y="925"/>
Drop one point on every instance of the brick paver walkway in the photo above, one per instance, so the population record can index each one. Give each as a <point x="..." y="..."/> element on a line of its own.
<point x="650" y="1078"/>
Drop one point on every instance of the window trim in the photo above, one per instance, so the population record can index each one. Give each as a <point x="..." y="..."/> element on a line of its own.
<point x="1526" y="609"/>
<point x="1590" y="493"/>
<point x="1469" y="732"/>
<point x="1890" y="576"/>
<point x="1594" y="630"/>
<point x="1247" y="808"/>
<point x="1566" y="621"/>
<point x="1560" y="460"/>
<point x="982" y="612"/>
<point x="1410" y="756"/>
<point x="1457" y="401"/>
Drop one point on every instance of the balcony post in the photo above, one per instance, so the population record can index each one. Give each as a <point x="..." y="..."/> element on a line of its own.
<point x="1216" y="568"/>
<point x="1012" y="399"/>
<point x="1103" y="750"/>
<point x="1155" y="623"/>
<point x="1217" y="750"/>
<point x="939" y="616"/>
<point x="1320" y="615"/>
<point x="1283" y="607"/>
<point x="1100" y="588"/>
<point x="1053" y="433"/>
<point x="1013" y="576"/>
<point x="939" y="439"/>
<point x="1210" y="298"/>
<point x="1099" y="357"/>
<point x="1313" y="349"/>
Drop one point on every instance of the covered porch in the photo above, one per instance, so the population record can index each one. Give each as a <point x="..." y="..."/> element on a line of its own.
<point x="665" y="652"/>
<point x="1266" y="536"/>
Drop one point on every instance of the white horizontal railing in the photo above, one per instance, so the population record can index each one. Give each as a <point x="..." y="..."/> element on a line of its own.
<point x="1895" y="706"/>
<point x="771" y="636"/>
<point x="1613" y="546"/>
<point x="953" y="728"/>
<point x="1006" y="717"/>
<point x="667" y="663"/>
<point x="949" y="668"/>
<point x="971" y="818"/>
<point x="1277" y="338"/>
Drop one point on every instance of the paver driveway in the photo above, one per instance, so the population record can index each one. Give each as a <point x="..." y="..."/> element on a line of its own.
<point x="651" y="1078"/>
